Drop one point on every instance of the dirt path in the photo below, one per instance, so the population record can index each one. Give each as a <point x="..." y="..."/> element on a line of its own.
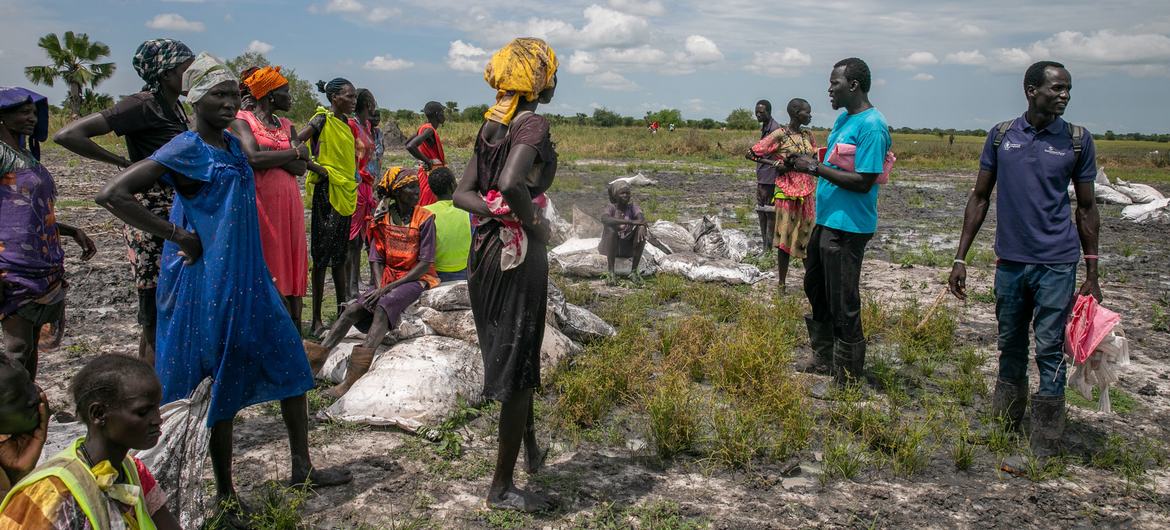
<point x="616" y="481"/>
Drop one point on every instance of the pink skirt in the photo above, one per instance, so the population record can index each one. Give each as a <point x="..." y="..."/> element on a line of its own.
<point x="282" y="230"/>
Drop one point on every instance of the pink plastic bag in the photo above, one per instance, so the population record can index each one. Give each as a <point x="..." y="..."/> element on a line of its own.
<point x="843" y="156"/>
<point x="1087" y="326"/>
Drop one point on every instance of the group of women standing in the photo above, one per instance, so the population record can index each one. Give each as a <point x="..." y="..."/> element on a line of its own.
<point x="233" y="266"/>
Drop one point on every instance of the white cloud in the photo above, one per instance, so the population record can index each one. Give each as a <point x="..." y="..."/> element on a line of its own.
<point x="973" y="57"/>
<point x="923" y="76"/>
<point x="387" y="63"/>
<point x="785" y="63"/>
<point x="582" y="63"/>
<point x="174" y="22"/>
<point x="382" y="14"/>
<point x="971" y="30"/>
<point x="1011" y="59"/>
<point x="611" y="81"/>
<point x="652" y="8"/>
<point x="1104" y="47"/>
<point x="642" y="55"/>
<point x="343" y="6"/>
<point x="466" y="57"/>
<point x="260" y="47"/>
<point x="916" y="59"/>
<point x="700" y="50"/>
<point x="606" y="27"/>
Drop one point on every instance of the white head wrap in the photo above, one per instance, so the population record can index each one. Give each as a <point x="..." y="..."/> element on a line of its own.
<point x="205" y="73"/>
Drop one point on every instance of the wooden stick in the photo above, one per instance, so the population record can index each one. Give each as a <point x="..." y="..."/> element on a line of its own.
<point x="930" y="310"/>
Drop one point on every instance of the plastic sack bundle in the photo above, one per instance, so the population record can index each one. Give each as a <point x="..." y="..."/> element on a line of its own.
<point x="1096" y="346"/>
<point x="179" y="459"/>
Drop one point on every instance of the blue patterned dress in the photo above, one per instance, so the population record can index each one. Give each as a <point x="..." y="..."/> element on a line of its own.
<point x="222" y="317"/>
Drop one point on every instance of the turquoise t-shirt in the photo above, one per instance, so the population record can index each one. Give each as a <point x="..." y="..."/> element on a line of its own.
<point x="840" y="208"/>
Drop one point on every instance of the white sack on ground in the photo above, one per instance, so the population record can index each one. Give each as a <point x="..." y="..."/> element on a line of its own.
<point x="584" y="225"/>
<point x="1108" y="195"/>
<point x="737" y="242"/>
<point x="636" y="180"/>
<point x="673" y="236"/>
<point x="418" y="382"/>
<point x="1139" y="193"/>
<point x="704" y="269"/>
<point x="582" y="325"/>
<point x="179" y="459"/>
<point x="1102" y="178"/>
<point x="562" y="230"/>
<point x="708" y="236"/>
<point x="1143" y="213"/>
<point x="452" y="324"/>
<point x="579" y="257"/>
<point x="447" y="297"/>
<point x="412" y="326"/>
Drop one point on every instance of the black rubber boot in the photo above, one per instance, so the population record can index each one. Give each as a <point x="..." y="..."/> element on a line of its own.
<point x="848" y="362"/>
<point x="1047" y="426"/>
<point x="1009" y="402"/>
<point x="820" y="337"/>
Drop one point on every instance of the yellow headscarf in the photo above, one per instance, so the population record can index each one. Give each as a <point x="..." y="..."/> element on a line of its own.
<point x="523" y="68"/>
<point x="396" y="177"/>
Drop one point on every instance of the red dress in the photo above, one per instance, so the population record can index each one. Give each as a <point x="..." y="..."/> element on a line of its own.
<point x="364" y="151"/>
<point x="433" y="150"/>
<point x="281" y="212"/>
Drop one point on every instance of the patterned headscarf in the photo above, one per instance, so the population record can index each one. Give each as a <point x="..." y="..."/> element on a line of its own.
<point x="394" y="178"/>
<point x="156" y="57"/>
<point x="523" y="68"/>
<point x="206" y="72"/>
<point x="16" y="96"/>
<point x="617" y="187"/>
<point x="264" y="80"/>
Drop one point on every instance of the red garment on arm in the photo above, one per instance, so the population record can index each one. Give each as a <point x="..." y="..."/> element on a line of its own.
<point x="433" y="150"/>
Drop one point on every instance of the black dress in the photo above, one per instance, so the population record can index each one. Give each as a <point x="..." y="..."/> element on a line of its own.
<point x="509" y="306"/>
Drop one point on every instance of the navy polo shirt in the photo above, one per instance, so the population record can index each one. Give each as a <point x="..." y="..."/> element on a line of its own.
<point x="1033" y="169"/>
<point x="766" y="173"/>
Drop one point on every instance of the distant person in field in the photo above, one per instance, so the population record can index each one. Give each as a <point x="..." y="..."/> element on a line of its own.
<point x="766" y="174"/>
<point x="1033" y="159"/>
<point x="623" y="232"/>
<point x="277" y="158"/>
<point x="220" y="314"/>
<point x="94" y="483"/>
<point x="452" y="228"/>
<point x="427" y="147"/>
<point x="366" y="149"/>
<point x="513" y="163"/>
<point x="846" y="203"/>
<point x="403" y="238"/>
<point x="795" y="199"/>
<point x="148" y="120"/>
<point x="32" y="260"/>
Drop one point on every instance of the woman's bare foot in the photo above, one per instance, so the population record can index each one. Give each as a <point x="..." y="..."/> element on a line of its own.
<point x="519" y="500"/>
<point x="534" y="460"/>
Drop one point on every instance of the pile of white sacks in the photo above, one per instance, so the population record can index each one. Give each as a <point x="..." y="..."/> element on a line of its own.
<point x="436" y="362"/>
<point x="1143" y="204"/>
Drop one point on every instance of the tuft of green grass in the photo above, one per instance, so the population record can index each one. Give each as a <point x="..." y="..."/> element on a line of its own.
<point x="1129" y="459"/>
<point x="1122" y="402"/>
<point x="674" y="415"/>
<point x="962" y="450"/>
<point x="277" y="508"/>
<point x="843" y="457"/>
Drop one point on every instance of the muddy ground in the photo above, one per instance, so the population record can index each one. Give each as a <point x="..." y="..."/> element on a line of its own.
<point x="616" y="481"/>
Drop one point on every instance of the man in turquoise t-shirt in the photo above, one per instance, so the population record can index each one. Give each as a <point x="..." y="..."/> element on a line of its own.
<point x="846" y="220"/>
<point x="452" y="228"/>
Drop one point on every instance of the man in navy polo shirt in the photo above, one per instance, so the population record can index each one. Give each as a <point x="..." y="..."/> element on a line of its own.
<point x="766" y="175"/>
<point x="846" y="220"/>
<point x="1033" y="161"/>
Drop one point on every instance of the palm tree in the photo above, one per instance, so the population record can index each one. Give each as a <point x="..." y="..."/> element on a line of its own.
<point x="74" y="62"/>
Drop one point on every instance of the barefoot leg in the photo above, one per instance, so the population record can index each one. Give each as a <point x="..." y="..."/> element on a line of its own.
<point x="503" y="493"/>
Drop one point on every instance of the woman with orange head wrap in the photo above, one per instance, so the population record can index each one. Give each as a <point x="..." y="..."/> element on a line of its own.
<point x="511" y="167"/>
<point x="277" y="158"/>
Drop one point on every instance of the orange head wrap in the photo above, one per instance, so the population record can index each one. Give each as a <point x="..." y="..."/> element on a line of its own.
<point x="265" y="80"/>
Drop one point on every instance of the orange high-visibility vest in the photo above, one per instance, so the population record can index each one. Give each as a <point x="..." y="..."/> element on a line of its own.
<point x="398" y="245"/>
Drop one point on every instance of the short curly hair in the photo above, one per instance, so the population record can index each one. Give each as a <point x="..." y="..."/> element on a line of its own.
<point x="1034" y="76"/>
<point x="856" y="70"/>
<point x="104" y="380"/>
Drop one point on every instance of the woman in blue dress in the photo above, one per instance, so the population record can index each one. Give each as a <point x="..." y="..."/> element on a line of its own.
<point x="220" y="314"/>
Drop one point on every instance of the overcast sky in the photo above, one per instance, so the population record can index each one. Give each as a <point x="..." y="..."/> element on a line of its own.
<point x="935" y="64"/>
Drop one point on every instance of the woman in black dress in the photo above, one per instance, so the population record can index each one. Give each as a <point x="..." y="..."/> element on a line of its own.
<point x="511" y="167"/>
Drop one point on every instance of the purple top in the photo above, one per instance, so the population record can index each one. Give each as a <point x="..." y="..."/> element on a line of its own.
<point x="1033" y="170"/>
<point x="631" y="212"/>
<point x="766" y="173"/>
<point x="31" y="257"/>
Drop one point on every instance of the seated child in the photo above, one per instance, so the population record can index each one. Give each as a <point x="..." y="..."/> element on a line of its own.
<point x="118" y="398"/>
<point x="624" y="233"/>
<point x="402" y="245"/>
<point x="24" y="421"/>
<point x="452" y="228"/>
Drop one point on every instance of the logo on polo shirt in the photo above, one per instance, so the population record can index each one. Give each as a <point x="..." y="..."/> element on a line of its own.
<point x="1008" y="146"/>
<point x="1052" y="151"/>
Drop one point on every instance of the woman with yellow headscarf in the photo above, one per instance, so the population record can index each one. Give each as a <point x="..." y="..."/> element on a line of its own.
<point x="512" y="165"/>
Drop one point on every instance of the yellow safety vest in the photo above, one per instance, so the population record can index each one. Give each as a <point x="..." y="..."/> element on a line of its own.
<point x="67" y="467"/>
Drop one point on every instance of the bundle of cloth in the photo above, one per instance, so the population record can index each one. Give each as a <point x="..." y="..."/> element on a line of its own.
<point x="1096" y="346"/>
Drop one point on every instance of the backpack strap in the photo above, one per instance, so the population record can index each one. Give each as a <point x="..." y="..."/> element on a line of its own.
<point x="1078" y="136"/>
<point x="1000" y="132"/>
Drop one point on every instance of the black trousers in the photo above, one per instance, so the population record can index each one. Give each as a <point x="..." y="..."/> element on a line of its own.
<point x="832" y="280"/>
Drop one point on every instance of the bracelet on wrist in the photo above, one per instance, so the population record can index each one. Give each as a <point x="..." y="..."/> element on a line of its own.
<point x="960" y="262"/>
<point x="173" y="228"/>
<point x="1091" y="257"/>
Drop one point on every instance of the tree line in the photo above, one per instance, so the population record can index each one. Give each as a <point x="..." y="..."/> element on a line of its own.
<point x="77" y="61"/>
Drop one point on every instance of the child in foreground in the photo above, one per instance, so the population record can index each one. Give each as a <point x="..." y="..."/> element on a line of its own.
<point x="118" y="399"/>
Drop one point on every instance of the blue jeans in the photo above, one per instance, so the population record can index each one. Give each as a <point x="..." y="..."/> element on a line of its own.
<point x="453" y="276"/>
<point x="1040" y="295"/>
